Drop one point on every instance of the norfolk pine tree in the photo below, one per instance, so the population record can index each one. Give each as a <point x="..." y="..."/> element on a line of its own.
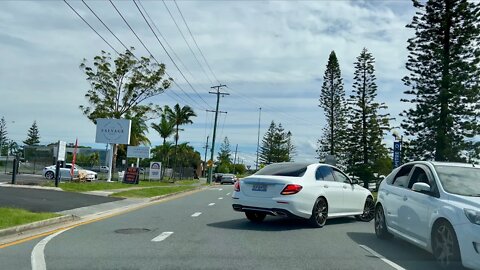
<point x="444" y="80"/>
<point x="3" y="135"/>
<point x="366" y="125"/>
<point x="33" y="137"/>
<point x="332" y="101"/>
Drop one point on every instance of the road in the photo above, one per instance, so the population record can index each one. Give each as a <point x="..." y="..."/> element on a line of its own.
<point x="201" y="231"/>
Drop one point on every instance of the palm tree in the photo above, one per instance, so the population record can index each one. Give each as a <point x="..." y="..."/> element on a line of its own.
<point x="165" y="128"/>
<point x="138" y="132"/>
<point x="179" y="116"/>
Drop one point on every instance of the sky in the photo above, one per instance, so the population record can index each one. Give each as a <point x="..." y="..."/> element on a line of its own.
<point x="270" y="54"/>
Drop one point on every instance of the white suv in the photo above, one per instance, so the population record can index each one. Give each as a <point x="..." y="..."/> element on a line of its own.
<point x="435" y="206"/>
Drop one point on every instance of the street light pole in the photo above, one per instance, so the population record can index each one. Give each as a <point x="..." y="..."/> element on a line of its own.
<point x="258" y="136"/>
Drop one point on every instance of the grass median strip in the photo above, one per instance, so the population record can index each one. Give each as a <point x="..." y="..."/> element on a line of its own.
<point x="10" y="217"/>
<point x="151" y="192"/>
<point x="100" y="185"/>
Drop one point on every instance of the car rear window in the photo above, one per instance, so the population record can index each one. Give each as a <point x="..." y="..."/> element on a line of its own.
<point x="284" y="169"/>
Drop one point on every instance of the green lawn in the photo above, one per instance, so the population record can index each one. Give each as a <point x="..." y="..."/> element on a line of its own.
<point x="151" y="192"/>
<point x="10" y="217"/>
<point x="101" y="185"/>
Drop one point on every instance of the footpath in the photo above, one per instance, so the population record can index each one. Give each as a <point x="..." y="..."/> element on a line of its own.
<point x="103" y="207"/>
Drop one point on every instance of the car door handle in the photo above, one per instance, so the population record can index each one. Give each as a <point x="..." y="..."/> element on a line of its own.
<point x="405" y="198"/>
<point x="325" y="186"/>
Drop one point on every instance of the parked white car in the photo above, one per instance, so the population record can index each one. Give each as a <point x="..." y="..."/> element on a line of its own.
<point x="49" y="172"/>
<point x="435" y="206"/>
<point x="312" y="191"/>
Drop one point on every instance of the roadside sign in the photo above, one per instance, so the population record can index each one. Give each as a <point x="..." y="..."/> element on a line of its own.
<point x="155" y="170"/>
<point x="210" y="163"/>
<point x="61" y="149"/>
<point x="397" y="147"/>
<point x="131" y="175"/>
<point x="138" y="152"/>
<point x="113" y="131"/>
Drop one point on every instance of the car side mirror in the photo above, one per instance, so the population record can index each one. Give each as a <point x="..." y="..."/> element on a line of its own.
<point x="422" y="188"/>
<point x="354" y="182"/>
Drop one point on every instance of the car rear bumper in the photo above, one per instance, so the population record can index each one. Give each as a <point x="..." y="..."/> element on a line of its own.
<point x="268" y="211"/>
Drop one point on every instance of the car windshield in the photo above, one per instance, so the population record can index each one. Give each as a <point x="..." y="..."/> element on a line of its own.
<point x="460" y="180"/>
<point x="284" y="169"/>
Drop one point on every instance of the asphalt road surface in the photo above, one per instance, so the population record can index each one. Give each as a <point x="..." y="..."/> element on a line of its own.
<point x="201" y="231"/>
<point x="37" y="200"/>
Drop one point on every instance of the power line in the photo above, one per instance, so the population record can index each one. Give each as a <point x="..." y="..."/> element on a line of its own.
<point x="196" y="44"/>
<point x="166" y="41"/>
<point x="93" y="29"/>
<point x="151" y="55"/>
<point x="188" y="45"/>
<point x="168" y="54"/>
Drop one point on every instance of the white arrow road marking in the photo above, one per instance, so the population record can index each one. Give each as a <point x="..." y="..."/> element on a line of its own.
<point x="162" y="236"/>
<point x="221" y="198"/>
<point x="196" y="214"/>
<point x="211" y="204"/>
<point x="387" y="261"/>
<point x="38" y="257"/>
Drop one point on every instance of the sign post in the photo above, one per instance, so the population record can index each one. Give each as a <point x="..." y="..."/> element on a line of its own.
<point x="112" y="131"/>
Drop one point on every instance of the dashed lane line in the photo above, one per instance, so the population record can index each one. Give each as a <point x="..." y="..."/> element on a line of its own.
<point x="221" y="198"/>
<point x="211" y="204"/>
<point x="162" y="236"/>
<point x="385" y="260"/>
<point x="196" y="214"/>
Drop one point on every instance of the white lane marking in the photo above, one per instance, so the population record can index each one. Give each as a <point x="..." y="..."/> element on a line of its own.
<point x="221" y="198"/>
<point x="196" y="214"/>
<point x="220" y="189"/>
<point x="162" y="236"/>
<point x="38" y="258"/>
<point x="387" y="261"/>
<point x="228" y="193"/>
<point x="211" y="204"/>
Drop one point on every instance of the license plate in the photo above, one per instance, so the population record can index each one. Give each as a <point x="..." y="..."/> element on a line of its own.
<point x="259" y="188"/>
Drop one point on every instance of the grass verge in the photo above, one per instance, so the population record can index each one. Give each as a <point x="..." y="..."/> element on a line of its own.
<point x="151" y="192"/>
<point x="92" y="186"/>
<point x="13" y="217"/>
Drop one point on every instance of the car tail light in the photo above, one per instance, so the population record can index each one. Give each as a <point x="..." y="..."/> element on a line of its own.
<point x="291" y="189"/>
<point x="236" y="186"/>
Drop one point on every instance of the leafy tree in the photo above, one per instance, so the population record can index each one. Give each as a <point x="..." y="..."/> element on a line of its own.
<point x="225" y="153"/>
<point x="276" y="145"/>
<point x="180" y="116"/>
<point x="3" y="136"/>
<point x="332" y="100"/>
<point x="444" y="80"/>
<point x="33" y="137"/>
<point x="121" y="87"/>
<point x="366" y="125"/>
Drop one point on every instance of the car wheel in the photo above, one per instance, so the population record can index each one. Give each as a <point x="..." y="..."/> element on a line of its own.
<point x="319" y="213"/>
<point x="255" y="216"/>
<point x="368" y="211"/>
<point x="445" y="246"/>
<point x="380" y="224"/>
<point x="49" y="175"/>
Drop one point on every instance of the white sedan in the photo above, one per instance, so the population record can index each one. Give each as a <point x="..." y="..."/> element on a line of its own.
<point x="49" y="172"/>
<point x="312" y="191"/>
<point x="435" y="206"/>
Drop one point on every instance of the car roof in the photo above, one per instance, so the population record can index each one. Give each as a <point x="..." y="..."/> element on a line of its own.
<point x="444" y="163"/>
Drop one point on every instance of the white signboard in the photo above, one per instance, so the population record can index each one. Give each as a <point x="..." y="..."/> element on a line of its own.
<point x="113" y="131"/>
<point x="138" y="152"/>
<point x="155" y="170"/>
<point x="62" y="149"/>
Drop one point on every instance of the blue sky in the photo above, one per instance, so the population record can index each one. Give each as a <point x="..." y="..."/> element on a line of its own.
<point x="270" y="54"/>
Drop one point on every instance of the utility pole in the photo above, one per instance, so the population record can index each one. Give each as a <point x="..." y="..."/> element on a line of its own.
<point x="258" y="136"/>
<point x="206" y="150"/>
<point x="235" y="159"/>
<point x="218" y="93"/>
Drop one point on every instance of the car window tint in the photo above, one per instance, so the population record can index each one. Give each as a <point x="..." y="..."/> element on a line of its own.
<point x="418" y="176"/>
<point x="401" y="178"/>
<point x="68" y="166"/>
<point x="401" y="181"/>
<point x="340" y="177"/>
<point x="284" y="169"/>
<point x="460" y="180"/>
<point x="318" y="174"/>
<point x="326" y="173"/>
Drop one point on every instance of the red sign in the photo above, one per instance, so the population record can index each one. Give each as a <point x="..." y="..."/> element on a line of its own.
<point x="131" y="175"/>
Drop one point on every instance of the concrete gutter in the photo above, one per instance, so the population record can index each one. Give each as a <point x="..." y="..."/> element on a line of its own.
<point x="31" y="187"/>
<point x="38" y="224"/>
